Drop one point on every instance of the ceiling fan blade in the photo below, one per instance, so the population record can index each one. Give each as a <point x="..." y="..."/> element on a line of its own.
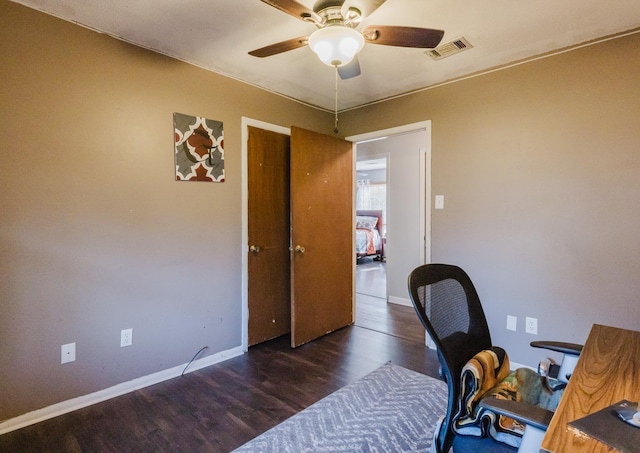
<point x="351" y="69"/>
<point x="366" y="7"/>
<point x="390" y="35"/>
<point x="295" y="9"/>
<point x="279" y="47"/>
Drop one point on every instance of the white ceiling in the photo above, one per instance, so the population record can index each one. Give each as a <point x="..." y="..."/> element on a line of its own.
<point x="217" y="34"/>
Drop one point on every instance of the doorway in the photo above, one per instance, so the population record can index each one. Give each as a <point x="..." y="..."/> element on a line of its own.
<point x="407" y="230"/>
<point x="371" y="275"/>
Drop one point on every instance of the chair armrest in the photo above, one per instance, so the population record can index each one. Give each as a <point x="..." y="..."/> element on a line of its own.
<point x="527" y="414"/>
<point x="558" y="346"/>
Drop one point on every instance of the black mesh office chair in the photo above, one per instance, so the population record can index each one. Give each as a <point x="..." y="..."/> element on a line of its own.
<point x="450" y="310"/>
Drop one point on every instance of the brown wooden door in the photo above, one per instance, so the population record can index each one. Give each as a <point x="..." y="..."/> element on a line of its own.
<point x="269" y="229"/>
<point x="322" y="234"/>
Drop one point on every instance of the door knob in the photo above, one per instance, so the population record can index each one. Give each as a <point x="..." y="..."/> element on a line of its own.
<point x="299" y="249"/>
<point x="254" y="248"/>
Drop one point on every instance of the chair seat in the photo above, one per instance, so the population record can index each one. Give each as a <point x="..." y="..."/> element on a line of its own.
<point x="487" y="375"/>
<point x="467" y="444"/>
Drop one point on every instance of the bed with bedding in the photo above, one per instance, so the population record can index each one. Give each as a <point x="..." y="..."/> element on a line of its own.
<point x="368" y="234"/>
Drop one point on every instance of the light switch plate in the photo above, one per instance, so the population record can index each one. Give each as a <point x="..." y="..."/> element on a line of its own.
<point x="439" y="202"/>
<point x="68" y="353"/>
<point x="512" y="322"/>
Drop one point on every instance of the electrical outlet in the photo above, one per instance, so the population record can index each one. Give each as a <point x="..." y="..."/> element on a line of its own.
<point x="512" y="322"/>
<point x="68" y="353"/>
<point x="531" y="326"/>
<point x="126" y="337"/>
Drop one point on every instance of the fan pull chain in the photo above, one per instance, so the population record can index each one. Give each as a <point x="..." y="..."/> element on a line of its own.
<point x="335" y="131"/>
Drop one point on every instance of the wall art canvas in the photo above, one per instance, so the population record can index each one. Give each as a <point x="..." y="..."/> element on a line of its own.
<point x="199" y="150"/>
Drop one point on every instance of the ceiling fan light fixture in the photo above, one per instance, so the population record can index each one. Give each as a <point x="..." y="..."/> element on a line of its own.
<point x="336" y="45"/>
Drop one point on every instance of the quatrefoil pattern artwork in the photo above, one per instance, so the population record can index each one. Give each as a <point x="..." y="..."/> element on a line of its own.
<point x="199" y="148"/>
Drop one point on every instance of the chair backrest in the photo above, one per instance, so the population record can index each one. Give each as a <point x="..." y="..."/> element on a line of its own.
<point x="449" y="308"/>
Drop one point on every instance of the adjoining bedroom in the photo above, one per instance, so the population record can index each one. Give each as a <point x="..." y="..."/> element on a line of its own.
<point x="371" y="226"/>
<point x="371" y="208"/>
<point x="371" y="276"/>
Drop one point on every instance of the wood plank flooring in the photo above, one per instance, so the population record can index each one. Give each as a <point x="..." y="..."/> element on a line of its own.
<point x="373" y="311"/>
<point x="397" y="320"/>
<point x="221" y="407"/>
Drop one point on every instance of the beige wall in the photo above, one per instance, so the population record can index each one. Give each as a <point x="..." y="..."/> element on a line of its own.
<point x="540" y="168"/>
<point x="539" y="165"/>
<point x="95" y="233"/>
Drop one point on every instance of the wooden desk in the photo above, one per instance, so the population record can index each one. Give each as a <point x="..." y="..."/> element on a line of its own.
<point x="608" y="371"/>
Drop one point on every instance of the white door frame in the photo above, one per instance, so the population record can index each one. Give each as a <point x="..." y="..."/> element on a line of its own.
<point x="425" y="175"/>
<point x="244" y="176"/>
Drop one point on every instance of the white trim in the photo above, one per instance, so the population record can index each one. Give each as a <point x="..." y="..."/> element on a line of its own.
<point x="400" y="301"/>
<point x="422" y="202"/>
<point x="80" y="402"/>
<point x="413" y="127"/>
<point x="516" y="365"/>
<point x="426" y="215"/>
<point x="354" y="259"/>
<point x="244" y="175"/>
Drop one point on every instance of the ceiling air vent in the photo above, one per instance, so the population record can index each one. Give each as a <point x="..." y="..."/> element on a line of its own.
<point x="449" y="48"/>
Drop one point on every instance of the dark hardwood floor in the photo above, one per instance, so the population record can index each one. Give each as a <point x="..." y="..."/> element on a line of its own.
<point x="221" y="407"/>
<point x="373" y="311"/>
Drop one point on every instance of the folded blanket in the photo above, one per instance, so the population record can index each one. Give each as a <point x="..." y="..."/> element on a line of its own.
<point x="482" y="373"/>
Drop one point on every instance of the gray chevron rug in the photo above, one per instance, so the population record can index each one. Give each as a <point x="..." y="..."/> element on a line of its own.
<point x="391" y="409"/>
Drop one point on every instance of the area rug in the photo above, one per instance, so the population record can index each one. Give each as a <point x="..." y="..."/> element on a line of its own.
<point x="391" y="409"/>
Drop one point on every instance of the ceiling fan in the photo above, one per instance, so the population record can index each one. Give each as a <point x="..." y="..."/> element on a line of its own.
<point x="336" y="40"/>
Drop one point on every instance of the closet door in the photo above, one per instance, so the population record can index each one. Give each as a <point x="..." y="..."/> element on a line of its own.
<point x="321" y="178"/>
<point x="269" y="300"/>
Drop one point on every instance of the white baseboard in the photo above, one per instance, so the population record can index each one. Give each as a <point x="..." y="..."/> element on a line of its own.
<point x="71" y="405"/>
<point x="516" y="365"/>
<point x="400" y="301"/>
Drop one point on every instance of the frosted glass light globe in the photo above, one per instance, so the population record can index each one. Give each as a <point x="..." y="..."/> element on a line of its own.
<point x="336" y="45"/>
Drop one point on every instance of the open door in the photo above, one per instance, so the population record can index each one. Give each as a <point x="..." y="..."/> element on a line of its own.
<point x="322" y="235"/>
<point x="269" y="279"/>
